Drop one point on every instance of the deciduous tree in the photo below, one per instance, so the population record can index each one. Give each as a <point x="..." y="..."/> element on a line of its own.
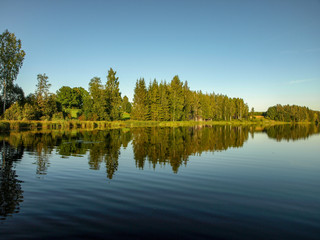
<point x="11" y="60"/>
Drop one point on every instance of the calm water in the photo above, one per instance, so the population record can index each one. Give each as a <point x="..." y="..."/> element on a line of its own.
<point x="217" y="182"/>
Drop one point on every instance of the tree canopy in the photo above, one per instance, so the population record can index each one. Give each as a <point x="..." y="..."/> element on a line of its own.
<point x="11" y="60"/>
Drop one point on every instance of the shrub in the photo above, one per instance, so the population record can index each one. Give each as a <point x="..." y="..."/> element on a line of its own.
<point x="14" y="112"/>
<point x="58" y="116"/>
<point x="29" y="112"/>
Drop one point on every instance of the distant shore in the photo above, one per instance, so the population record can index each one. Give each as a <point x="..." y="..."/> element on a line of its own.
<point x="77" y="124"/>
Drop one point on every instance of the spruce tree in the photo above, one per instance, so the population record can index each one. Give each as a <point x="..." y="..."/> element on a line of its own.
<point x="113" y="96"/>
<point x="139" y="108"/>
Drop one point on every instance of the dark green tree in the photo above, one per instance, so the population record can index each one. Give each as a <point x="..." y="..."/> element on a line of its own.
<point x="69" y="97"/>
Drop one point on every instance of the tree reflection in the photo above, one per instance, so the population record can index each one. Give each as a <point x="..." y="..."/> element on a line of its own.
<point x="157" y="146"/>
<point x="291" y="131"/>
<point x="173" y="146"/>
<point x="11" y="193"/>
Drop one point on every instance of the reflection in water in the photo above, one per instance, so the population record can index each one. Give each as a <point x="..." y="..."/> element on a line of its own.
<point x="10" y="187"/>
<point x="155" y="146"/>
<point x="291" y="132"/>
<point x="173" y="146"/>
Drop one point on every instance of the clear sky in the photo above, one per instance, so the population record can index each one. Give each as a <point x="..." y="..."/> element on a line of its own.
<point x="266" y="52"/>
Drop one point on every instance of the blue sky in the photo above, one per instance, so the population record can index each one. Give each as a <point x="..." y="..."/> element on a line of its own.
<point x="266" y="52"/>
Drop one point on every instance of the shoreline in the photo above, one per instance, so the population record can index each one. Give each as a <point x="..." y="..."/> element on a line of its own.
<point x="6" y="126"/>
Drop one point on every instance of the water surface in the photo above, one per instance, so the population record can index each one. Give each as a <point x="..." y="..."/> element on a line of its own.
<point x="198" y="182"/>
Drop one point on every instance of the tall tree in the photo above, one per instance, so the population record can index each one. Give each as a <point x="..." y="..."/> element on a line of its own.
<point x="11" y="60"/>
<point x="176" y="99"/>
<point x="68" y="97"/>
<point x="186" y="102"/>
<point x="164" y="111"/>
<point x="113" y="96"/>
<point x="42" y="92"/>
<point x="154" y="99"/>
<point x="126" y="105"/>
<point x="139" y="108"/>
<point x="98" y="100"/>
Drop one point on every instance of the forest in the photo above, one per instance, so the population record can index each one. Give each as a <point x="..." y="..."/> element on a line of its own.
<point x="156" y="101"/>
<point x="292" y="113"/>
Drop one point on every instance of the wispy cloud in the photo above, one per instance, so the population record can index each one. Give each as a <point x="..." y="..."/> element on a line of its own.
<point x="301" y="81"/>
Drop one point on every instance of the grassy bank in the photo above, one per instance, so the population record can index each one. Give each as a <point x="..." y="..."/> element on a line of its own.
<point x="77" y="124"/>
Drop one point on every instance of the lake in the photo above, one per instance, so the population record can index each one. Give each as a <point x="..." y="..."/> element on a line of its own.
<point x="214" y="182"/>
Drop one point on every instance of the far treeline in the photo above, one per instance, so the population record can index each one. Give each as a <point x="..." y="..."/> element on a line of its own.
<point x="172" y="101"/>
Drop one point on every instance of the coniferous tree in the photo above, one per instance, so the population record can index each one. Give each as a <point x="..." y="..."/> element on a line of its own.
<point x="113" y="95"/>
<point x="187" y="95"/>
<point x="98" y="102"/>
<point x="126" y="105"/>
<point x="176" y="99"/>
<point x="164" y="111"/>
<point x="139" y="108"/>
<point x="154" y="99"/>
<point x="42" y="94"/>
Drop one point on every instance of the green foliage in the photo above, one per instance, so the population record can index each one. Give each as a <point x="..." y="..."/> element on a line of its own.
<point x="42" y="95"/>
<point x="126" y="106"/>
<point x="11" y="60"/>
<point x="292" y="113"/>
<point x="113" y="96"/>
<point x="29" y="112"/>
<point x="139" y="108"/>
<point x="125" y="116"/>
<point x="58" y="116"/>
<point x="74" y="113"/>
<point x="176" y="99"/>
<point x="14" y="94"/>
<point x="96" y="104"/>
<point x="176" y="102"/>
<point x="14" y="112"/>
<point x="153" y="101"/>
<point x="69" y="97"/>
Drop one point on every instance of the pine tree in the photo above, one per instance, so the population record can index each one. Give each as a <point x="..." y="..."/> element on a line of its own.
<point x="42" y="93"/>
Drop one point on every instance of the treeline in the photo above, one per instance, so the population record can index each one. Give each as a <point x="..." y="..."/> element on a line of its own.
<point x="101" y="102"/>
<point x="292" y="113"/>
<point x="163" y="101"/>
<point x="175" y="101"/>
